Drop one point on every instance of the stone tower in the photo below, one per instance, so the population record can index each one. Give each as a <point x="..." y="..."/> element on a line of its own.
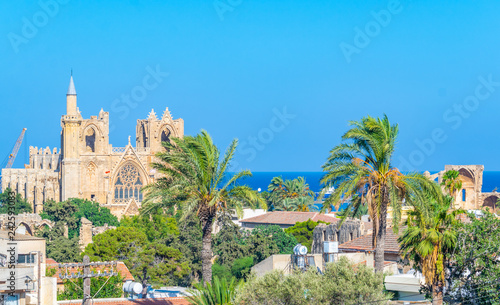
<point x="151" y="132"/>
<point x="70" y="123"/>
<point x="89" y="167"/>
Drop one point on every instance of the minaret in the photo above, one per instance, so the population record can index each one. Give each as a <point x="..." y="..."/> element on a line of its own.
<point x="71" y="124"/>
<point x="71" y="98"/>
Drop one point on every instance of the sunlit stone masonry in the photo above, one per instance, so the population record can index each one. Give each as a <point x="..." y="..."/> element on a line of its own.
<point x="87" y="166"/>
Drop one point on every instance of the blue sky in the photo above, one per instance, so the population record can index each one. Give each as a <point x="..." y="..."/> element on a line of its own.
<point x="236" y="66"/>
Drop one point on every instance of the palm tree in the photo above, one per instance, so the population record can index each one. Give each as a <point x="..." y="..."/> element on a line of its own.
<point x="220" y="292"/>
<point x="291" y="195"/>
<point x="297" y="188"/>
<point x="362" y="166"/>
<point x="196" y="180"/>
<point x="451" y="182"/>
<point x="305" y="204"/>
<point x="428" y="240"/>
<point x="354" y="209"/>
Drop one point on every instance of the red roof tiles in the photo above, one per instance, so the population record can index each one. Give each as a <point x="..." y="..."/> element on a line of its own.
<point x="50" y="261"/>
<point x="288" y="218"/>
<point x="364" y="243"/>
<point x="121" y="267"/>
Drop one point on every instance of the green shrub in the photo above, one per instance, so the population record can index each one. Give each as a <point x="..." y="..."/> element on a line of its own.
<point x="340" y="284"/>
<point x="241" y="267"/>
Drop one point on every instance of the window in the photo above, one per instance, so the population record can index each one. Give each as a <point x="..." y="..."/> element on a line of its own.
<point x="26" y="258"/>
<point x="90" y="140"/>
<point x="128" y="184"/>
<point x="464" y="195"/>
<point x="165" y="136"/>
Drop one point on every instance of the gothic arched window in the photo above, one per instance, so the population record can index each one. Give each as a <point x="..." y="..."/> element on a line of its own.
<point x="143" y="136"/>
<point x="91" y="177"/>
<point x="165" y="135"/>
<point x="128" y="184"/>
<point x="90" y="140"/>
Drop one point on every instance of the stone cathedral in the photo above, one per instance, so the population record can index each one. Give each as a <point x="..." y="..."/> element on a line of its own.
<point x="87" y="166"/>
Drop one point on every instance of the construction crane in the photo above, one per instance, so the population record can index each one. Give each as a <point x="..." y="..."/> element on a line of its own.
<point x="12" y="156"/>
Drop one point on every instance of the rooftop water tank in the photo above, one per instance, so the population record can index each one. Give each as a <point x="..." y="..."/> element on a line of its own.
<point x="132" y="287"/>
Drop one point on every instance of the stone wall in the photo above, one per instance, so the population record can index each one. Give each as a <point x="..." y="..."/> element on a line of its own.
<point x="30" y="221"/>
<point x="349" y="230"/>
<point x="85" y="233"/>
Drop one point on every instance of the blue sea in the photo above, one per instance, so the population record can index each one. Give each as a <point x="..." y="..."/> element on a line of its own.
<point x="491" y="180"/>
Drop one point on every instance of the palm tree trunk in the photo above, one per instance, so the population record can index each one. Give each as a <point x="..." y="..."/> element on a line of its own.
<point x="380" y="238"/>
<point x="206" y="250"/>
<point x="437" y="294"/>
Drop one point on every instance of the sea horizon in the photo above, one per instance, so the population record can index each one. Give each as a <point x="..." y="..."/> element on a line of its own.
<point x="261" y="179"/>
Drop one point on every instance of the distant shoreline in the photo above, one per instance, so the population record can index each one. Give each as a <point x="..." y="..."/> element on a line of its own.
<point x="491" y="179"/>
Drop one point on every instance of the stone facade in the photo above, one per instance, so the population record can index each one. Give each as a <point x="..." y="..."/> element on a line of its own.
<point x="85" y="233"/>
<point x="87" y="166"/>
<point x="470" y="197"/>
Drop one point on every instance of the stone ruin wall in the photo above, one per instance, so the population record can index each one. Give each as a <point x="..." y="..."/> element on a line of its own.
<point x="349" y="230"/>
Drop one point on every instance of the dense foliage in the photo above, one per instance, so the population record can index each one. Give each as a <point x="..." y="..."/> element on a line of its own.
<point x="290" y="195"/>
<point x="71" y="211"/>
<point x="153" y="261"/>
<point x="362" y="166"/>
<point x="100" y="287"/>
<point x="354" y="209"/>
<point x="303" y="232"/>
<point x="340" y="284"/>
<point x="20" y="205"/>
<point x="68" y="214"/>
<point x="220" y="292"/>
<point x="195" y="180"/>
<point x="474" y="269"/>
<point x="428" y="241"/>
<point x="238" y="250"/>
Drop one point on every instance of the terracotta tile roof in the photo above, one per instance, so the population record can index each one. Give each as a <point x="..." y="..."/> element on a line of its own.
<point x="364" y="243"/>
<point x="122" y="270"/>
<point x="288" y="218"/>
<point x="368" y="225"/>
<point x="50" y="261"/>
<point x="386" y="263"/>
<point x="122" y="301"/>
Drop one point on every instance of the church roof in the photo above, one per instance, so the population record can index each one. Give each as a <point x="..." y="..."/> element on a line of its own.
<point x="71" y="88"/>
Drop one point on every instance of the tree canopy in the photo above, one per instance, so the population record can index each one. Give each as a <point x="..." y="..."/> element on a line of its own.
<point x="20" y="204"/>
<point x="340" y="284"/>
<point x="195" y="180"/>
<point x="303" y="232"/>
<point x="362" y="166"/>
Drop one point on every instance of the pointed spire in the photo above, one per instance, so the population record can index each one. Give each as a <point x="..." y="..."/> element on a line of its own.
<point x="71" y="88"/>
<point x="152" y="115"/>
<point x="166" y="115"/>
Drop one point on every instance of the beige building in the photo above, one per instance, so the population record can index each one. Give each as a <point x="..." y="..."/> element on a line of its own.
<point x="88" y="166"/>
<point x="25" y="283"/>
<point x="470" y="196"/>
